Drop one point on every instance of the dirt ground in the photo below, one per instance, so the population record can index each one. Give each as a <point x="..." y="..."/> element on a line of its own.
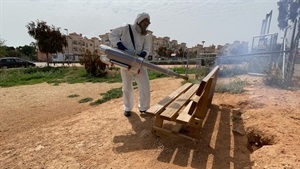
<point x="41" y="127"/>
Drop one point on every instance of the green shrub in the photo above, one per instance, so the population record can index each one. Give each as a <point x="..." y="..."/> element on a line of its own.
<point x="232" y="71"/>
<point x="93" y="65"/>
<point x="84" y="100"/>
<point x="55" y="75"/>
<point x="274" y="78"/>
<point x="233" y="87"/>
<point x="111" y="94"/>
<point x="73" y="95"/>
<point x="154" y="74"/>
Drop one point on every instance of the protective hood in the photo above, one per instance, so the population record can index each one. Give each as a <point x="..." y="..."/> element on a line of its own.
<point x="141" y="17"/>
<point x="138" y="19"/>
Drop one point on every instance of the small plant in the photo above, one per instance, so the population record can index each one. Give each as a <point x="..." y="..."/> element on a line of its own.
<point x="111" y="94"/>
<point x="85" y="100"/>
<point x="73" y="95"/>
<point x="234" y="87"/>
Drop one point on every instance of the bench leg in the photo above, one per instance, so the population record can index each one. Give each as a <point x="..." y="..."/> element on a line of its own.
<point x="158" y="123"/>
<point x="196" y="122"/>
<point x="193" y="129"/>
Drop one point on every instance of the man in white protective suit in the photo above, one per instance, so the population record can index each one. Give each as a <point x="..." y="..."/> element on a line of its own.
<point x="133" y="38"/>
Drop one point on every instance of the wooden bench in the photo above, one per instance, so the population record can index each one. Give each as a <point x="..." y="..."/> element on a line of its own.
<point x="183" y="111"/>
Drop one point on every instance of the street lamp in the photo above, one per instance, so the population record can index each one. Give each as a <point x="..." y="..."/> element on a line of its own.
<point x="203" y="42"/>
<point x="67" y="43"/>
<point x="203" y="50"/>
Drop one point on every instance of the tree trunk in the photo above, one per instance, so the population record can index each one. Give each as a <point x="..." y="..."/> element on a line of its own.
<point x="291" y="56"/>
<point x="47" y="59"/>
<point x="291" y="65"/>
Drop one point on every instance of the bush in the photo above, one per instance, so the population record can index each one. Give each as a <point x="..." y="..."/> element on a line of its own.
<point x="274" y="78"/>
<point x="93" y="65"/>
<point x="233" y="87"/>
<point x="233" y="71"/>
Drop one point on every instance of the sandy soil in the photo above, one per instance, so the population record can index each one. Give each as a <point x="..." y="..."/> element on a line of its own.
<point x="41" y="127"/>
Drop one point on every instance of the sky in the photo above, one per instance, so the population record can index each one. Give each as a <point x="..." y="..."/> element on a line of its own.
<point x="216" y="22"/>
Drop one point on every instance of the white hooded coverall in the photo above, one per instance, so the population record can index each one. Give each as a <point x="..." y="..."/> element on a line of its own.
<point x="142" y="43"/>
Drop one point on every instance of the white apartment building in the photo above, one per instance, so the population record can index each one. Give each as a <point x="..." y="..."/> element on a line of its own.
<point x="79" y="45"/>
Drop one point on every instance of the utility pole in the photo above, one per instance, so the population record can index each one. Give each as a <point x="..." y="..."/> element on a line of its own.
<point x="202" y="60"/>
<point x="187" y="62"/>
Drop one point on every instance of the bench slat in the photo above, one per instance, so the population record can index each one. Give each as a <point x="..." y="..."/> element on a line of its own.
<point x="160" y="106"/>
<point x="195" y="98"/>
<point x="184" y="117"/>
<point x="204" y="102"/>
<point x="177" y="104"/>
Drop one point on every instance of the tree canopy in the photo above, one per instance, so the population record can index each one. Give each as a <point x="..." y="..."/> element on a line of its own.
<point x="2" y="48"/>
<point x="28" y="50"/>
<point x="49" y="38"/>
<point x="288" y="11"/>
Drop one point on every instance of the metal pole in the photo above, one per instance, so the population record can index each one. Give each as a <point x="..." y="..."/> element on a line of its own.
<point x="68" y="43"/>
<point x="187" y="62"/>
<point x="270" y="18"/>
<point x="262" y="27"/>
<point x="283" y="58"/>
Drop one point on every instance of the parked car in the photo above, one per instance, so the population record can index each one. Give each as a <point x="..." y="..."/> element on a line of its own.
<point x="11" y="62"/>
